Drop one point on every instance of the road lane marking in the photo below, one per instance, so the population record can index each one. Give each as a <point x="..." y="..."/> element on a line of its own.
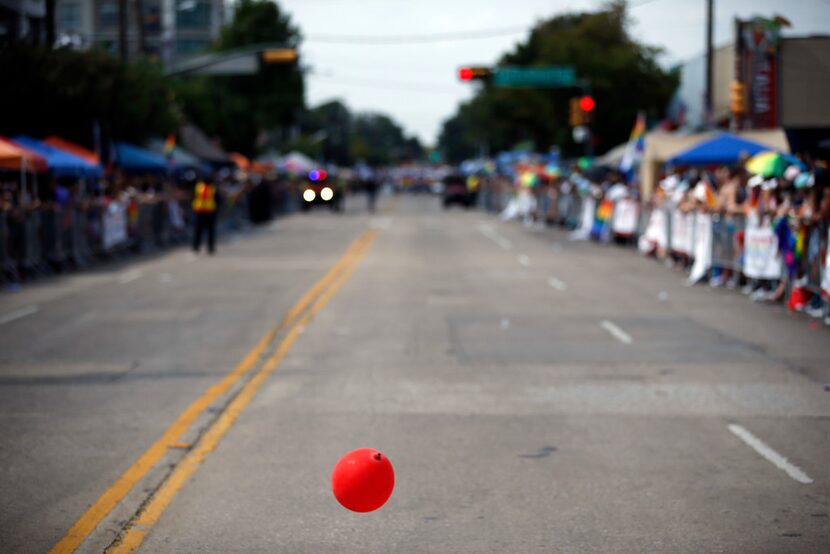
<point x="494" y="235"/>
<point x="17" y="314"/>
<point x="87" y="523"/>
<point x="616" y="332"/>
<point x="523" y="260"/>
<point x="130" y="276"/>
<point x="557" y="284"/>
<point x="771" y="455"/>
<point x="130" y="540"/>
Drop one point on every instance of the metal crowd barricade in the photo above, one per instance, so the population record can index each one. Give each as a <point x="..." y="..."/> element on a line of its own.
<point x="727" y="233"/>
<point x="568" y="209"/>
<point x="144" y="228"/>
<point x="80" y="243"/>
<point x="813" y="259"/>
<point x="8" y="267"/>
<point x="53" y="240"/>
<point x="36" y="241"/>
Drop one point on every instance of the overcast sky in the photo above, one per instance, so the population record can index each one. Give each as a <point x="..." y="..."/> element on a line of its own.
<point x="416" y="83"/>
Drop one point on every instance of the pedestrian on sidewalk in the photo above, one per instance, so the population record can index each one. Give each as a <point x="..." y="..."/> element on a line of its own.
<point x="204" y="209"/>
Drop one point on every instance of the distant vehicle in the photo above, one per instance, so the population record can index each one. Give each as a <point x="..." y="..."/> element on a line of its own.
<point x="455" y="191"/>
<point x="319" y="191"/>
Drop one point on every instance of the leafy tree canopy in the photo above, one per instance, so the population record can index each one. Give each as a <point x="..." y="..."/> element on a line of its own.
<point x="243" y="109"/>
<point x="624" y="74"/>
<point x="66" y="92"/>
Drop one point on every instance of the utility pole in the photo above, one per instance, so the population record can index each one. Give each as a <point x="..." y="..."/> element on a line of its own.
<point x="122" y="30"/>
<point x="139" y="22"/>
<point x="50" y="23"/>
<point x="707" y="100"/>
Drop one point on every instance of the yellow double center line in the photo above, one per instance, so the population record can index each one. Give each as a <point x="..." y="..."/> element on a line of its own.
<point x="297" y="317"/>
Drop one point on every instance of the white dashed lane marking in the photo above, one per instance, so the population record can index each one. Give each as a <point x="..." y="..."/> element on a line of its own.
<point x="557" y="284"/>
<point x="17" y="314"/>
<point x="616" y="332"/>
<point x="130" y="276"/>
<point x="771" y="455"/>
<point x="494" y="235"/>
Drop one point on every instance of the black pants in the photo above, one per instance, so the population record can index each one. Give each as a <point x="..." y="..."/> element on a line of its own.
<point x="205" y="223"/>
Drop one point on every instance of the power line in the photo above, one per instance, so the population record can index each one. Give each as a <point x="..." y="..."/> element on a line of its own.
<point x="415" y="39"/>
<point x="640" y="3"/>
<point x="389" y="85"/>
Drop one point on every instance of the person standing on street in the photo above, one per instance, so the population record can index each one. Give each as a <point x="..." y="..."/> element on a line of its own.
<point x="371" y="192"/>
<point x="204" y="209"/>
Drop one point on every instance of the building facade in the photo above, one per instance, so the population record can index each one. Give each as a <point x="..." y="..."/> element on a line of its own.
<point x="169" y="29"/>
<point x="22" y="20"/>
<point x="782" y="82"/>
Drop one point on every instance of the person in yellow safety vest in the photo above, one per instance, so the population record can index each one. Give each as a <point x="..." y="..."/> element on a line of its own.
<point x="204" y="209"/>
<point x="473" y="181"/>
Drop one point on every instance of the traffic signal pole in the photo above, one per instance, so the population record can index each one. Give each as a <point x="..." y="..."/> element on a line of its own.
<point x="708" y="108"/>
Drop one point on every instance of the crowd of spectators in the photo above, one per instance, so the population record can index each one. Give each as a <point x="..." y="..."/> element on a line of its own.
<point x="794" y="206"/>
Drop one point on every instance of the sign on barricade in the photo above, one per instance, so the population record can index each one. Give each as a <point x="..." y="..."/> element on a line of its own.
<point x="703" y="248"/>
<point x="583" y="232"/>
<point x="825" y="279"/>
<point x="625" y="220"/>
<point x="681" y="233"/>
<point x="115" y="225"/>
<point x="174" y="212"/>
<point x="761" y="257"/>
<point x="655" y="235"/>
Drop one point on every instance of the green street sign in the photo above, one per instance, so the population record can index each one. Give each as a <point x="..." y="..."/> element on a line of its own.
<point x="530" y="77"/>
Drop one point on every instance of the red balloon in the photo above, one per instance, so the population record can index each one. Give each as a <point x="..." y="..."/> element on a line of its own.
<point x="363" y="479"/>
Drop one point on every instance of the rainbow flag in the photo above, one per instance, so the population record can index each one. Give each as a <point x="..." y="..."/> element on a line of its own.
<point x="602" y="219"/>
<point x="636" y="144"/>
<point x="169" y="145"/>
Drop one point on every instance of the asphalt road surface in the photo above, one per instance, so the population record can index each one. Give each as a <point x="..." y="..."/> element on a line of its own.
<point x="533" y="394"/>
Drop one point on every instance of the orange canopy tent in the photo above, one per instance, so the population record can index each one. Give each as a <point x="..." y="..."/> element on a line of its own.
<point x="73" y="148"/>
<point x="248" y="165"/>
<point x="18" y="158"/>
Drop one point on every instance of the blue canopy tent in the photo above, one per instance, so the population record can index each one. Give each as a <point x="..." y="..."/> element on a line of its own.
<point x="182" y="160"/>
<point x="58" y="162"/>
<point x="723" y="148"/>
<point x="133" y="159"/>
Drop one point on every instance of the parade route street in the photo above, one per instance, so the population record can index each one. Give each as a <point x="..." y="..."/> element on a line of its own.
<point x="533" y="394"/>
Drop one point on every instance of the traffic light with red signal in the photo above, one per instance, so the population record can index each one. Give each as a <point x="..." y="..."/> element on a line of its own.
<point x="581" y="112"/>
<point x="586" y="104"/>
<point x="474" y="73"/>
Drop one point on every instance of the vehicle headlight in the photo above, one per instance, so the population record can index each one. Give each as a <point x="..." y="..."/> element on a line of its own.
<point x="309" y="195"/>
<point x="326" y="194"/>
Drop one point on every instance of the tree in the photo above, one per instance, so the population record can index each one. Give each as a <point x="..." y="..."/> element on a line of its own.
<point x="65" y="92"/>
<point x="241" y="108"/>
<point x="378" y="140"/>
<point x="625" y="78"/>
